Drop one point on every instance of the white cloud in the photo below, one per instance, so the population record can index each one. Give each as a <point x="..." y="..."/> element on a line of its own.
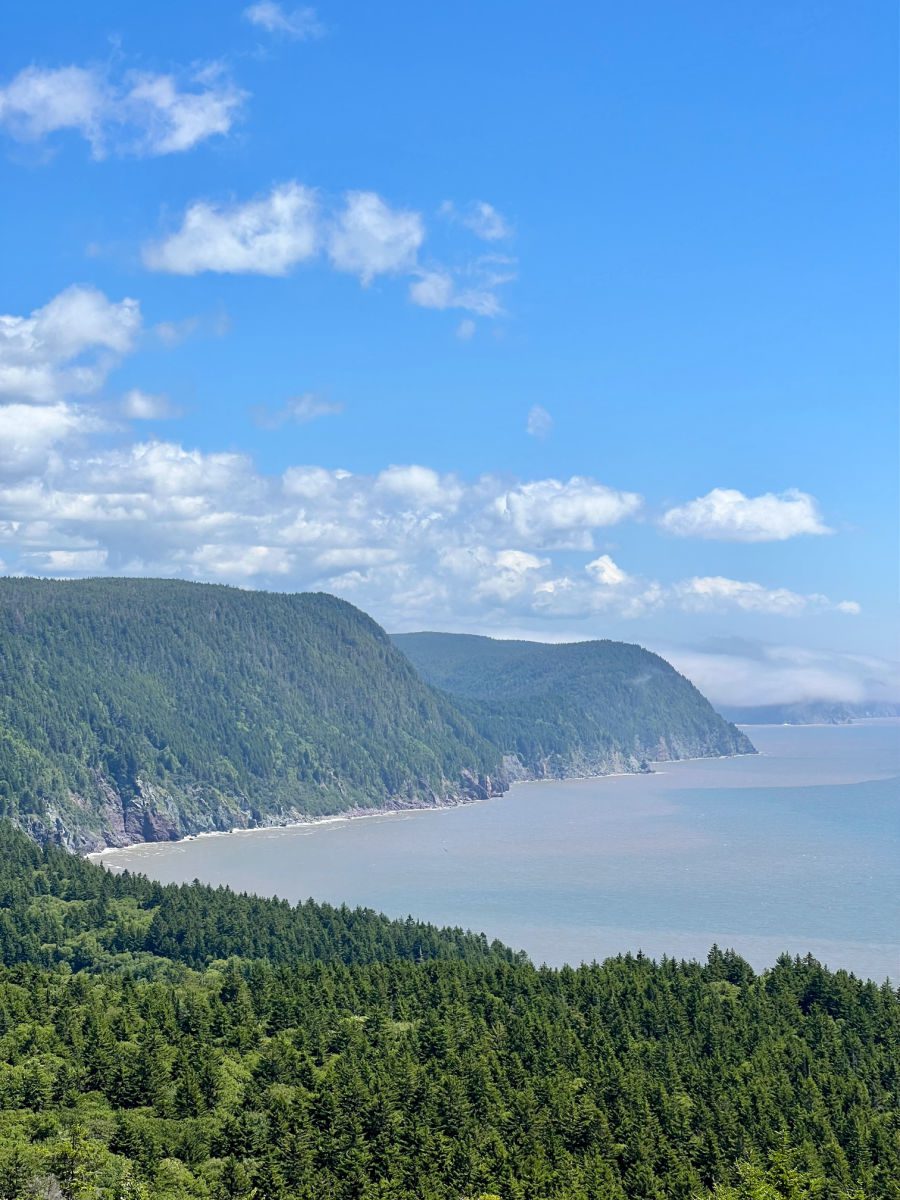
<point x="539" y="422"/>
<point x="143" y="406"/>
<point x="237" y="561"/>
<point x="299" y="410"/>
<point x="170" y="119"/>
<point x="606" y="572"/>
<point x="711" y="592"/>
<point x="465" y="329"/>
<point x="729" y="515"/>
<point x="742" y="672"/>
<point x="37" y="102"/>
<point x="480" y="218"/>
<point x="420" y="485"/>
<point x="394" y="540"/>
<point x="511" y="573"/>
<point x="67" y="347"/>
<point x="266" y="236"/>
<point x="361" y="235"/>
<point x="412" y="544"/>
<point x="69" y="562"/>
<point x="369" y="238"/>
<point x="142" y="113"/>
<point x="299" y="23"/>
<point x="28" y="432"/>
<point x="472" y="288"/>
<point x="552" y="512"/>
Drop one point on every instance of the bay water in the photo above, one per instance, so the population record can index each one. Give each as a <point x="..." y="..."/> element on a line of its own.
<point x="795" y="849"/>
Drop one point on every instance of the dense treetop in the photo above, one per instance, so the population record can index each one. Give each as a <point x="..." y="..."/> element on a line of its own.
<point x="148" y="1052"/>
<point x="573" y="708"/>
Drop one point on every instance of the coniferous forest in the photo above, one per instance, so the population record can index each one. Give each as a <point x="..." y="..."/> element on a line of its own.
<point x="187" y="1043"/>
<point x="579" y="708"/>
<point x="145" y="709"/>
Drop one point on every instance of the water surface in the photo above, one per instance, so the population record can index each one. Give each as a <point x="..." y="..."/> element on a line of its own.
<point x="797" y="849"/>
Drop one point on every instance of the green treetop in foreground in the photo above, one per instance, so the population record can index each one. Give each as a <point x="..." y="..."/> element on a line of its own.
<point x="185" y="1043"/>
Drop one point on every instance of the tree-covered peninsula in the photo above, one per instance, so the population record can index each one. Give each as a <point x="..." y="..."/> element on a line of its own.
<point x="581" y="708"/>
<point x="135" y="709"/>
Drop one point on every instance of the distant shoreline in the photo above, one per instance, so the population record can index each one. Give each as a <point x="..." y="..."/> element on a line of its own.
<point x="400" y="808"/>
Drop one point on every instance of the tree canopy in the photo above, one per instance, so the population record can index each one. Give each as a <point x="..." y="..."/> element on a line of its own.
<point x="190" y="1044"/>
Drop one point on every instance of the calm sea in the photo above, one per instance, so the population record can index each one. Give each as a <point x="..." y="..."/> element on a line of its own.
<point x="795" y="849"/>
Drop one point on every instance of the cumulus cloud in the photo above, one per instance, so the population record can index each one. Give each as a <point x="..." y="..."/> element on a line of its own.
<point x="299" y="410"/>
<point x="370" y="238"/>
<point x="729" y="515"/>
<point x="28" y="433"/>
<point x="67" y="347"/>
<point x="712" y="592"/>
<point x="606" y="572"/>
<point x="361" y="234"/>
<point x="539" y="422"/>
<point x="465" y="330"/>
<point x="420" y="485"/>
<point x="143" y="406"/>
<point x="553" y="512"/>
<point x="409" y="542"/>
<point x="401" y="540"/>
<point x="269" y="235"/>
<point x="300" y="23"/>
<point x="141" y="113"/>
<point x="480" y="218"/>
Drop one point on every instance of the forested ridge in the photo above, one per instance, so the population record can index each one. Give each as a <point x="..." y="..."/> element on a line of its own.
<point x="145" y="709"/>
<point x="186" y="1043"/>
<point x="578" y="708"/>
<point x="136" y="709"/>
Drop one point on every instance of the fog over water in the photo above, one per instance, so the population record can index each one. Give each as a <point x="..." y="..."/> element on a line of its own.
<point x="795" y="849"/>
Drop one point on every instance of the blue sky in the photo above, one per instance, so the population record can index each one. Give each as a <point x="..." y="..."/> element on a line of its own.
<point x="555" y="321"/>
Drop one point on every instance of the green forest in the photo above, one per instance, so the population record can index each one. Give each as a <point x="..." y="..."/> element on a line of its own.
<point x="579" y="708"/>
<point x="141" y="709"/>
<point x="186" y="1043"/>
<point x="146" y="709"/>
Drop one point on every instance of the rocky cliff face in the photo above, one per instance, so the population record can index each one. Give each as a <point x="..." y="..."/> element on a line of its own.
<point x="155" y="815"/>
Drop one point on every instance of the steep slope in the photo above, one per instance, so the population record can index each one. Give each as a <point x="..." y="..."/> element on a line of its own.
<point x="578" y="709"/>
<point x="146" y="709"/>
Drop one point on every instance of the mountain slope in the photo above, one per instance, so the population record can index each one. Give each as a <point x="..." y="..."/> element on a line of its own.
<point x="144" y="709"/>
<point x="577" y="709"/>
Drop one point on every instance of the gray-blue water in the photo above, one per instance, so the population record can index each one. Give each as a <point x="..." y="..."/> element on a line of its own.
<point x="795" y="849"/>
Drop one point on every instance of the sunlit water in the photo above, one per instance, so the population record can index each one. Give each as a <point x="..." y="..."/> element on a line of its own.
<point x="795" y="849"/>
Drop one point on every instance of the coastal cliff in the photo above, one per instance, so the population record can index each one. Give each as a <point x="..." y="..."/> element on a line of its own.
<point x="147" y="710"/>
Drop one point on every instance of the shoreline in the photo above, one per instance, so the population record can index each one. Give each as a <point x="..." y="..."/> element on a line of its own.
<point x="301" y="823"/>
<point x="97" y="856"/>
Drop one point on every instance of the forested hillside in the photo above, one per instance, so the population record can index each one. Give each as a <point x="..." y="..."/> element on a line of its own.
<point x="164" y="1043"/>
<point x="138" y="709"/>
<point x="135" y="709"/>
<point x="576" y="709"/>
